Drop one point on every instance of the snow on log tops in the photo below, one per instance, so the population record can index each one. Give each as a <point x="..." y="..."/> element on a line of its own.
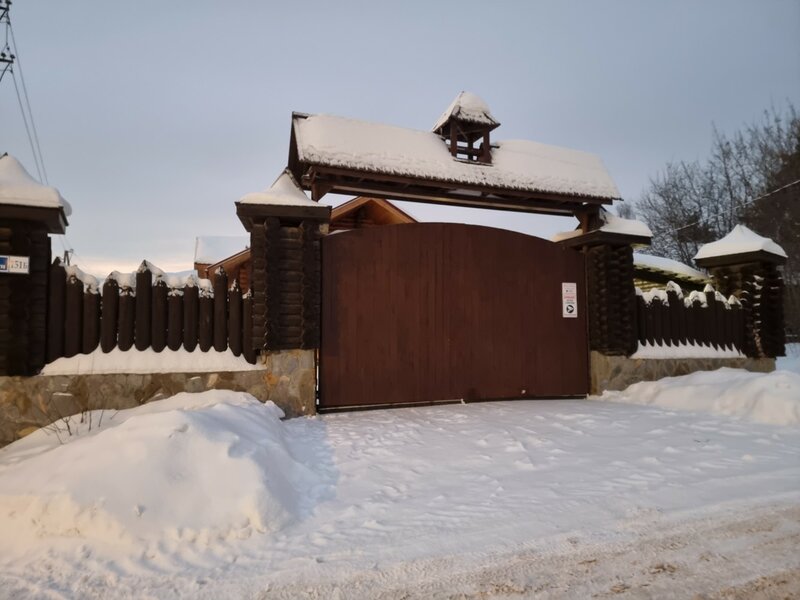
<point x="18" y="188"/>
<point x="739" y="241"/>
<point x="332" y="141"/>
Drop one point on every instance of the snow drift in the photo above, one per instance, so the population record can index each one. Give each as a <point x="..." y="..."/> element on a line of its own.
<point x="772" y="398"/>
<point x="194" y="468"/>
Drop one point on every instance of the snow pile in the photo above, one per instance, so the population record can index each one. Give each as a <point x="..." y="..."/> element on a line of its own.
<point x="19" y="188"/>
<point x="192" y="470"/>
<point x="525" y="165"/>
<point x="790" y="362"/>
<point x="467" y="107"/>
<point x="284" y="191"/>
<point x="772" y="398"/>
<point x="739" y="241"/>
<point x="149" y="361"/>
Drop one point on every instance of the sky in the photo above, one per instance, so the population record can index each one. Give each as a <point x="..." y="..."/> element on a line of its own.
<point x="155" y="117"/>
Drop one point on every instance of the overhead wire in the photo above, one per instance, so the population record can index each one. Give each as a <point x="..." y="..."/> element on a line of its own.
<point x="28" y="102"/>
<point x="27" y="128"/>
<point x="743" y="204"/>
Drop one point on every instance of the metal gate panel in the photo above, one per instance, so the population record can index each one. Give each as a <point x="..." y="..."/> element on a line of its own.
<point x="430" y="312"/>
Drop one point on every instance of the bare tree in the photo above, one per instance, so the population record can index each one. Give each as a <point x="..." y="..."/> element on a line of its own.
<point x="692" y="203"/>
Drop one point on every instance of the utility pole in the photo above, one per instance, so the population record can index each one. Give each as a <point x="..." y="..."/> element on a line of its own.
<point x="6" y="56"/>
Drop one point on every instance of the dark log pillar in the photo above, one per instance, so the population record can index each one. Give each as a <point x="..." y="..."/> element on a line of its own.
<point x="23" y="294"/>
<point x="611" y="295"/>
<point x="286" y="279"/>
<point x="756" y="280"/>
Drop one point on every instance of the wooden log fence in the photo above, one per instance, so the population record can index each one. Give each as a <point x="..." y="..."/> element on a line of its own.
<point x="146" y="310"/>
<point x="669" y="319"/>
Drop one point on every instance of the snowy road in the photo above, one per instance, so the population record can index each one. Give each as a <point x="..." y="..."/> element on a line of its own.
<point x="497" y="500"/>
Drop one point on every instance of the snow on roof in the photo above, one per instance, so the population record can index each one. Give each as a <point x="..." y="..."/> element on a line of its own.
<point x="739" y="241"/>
<point x="210" y="249"/>
<point x="19" y="188"/>
<point x="615" y="224"/>
<point x="284" y="191"/>
<point x="611" y="224"/>
<point x="667" y="265"/>
<point x="519" y="164"/>
<point x="467" y="107"/>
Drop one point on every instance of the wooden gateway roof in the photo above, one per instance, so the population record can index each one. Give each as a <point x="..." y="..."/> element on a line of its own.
<point x="330" y="154"/>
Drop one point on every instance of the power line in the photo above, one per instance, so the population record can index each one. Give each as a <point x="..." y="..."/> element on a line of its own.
<point x="743" y="204"/>
<point x="27" y="129"/>
<point x="28" y="102"/>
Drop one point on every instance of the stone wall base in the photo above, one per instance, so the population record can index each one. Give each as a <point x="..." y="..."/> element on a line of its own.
<point x="27" y="403"/>
<point x="618" y="372"/>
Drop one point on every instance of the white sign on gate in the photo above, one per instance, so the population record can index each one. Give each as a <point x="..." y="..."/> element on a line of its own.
<point x="569" y="300"/>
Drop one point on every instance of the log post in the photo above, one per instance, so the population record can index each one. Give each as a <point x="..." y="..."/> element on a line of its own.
<point x="611" y="295"/>
<point x="73" y="326"/>
<point x="144" y="306"/>
<point x="220" y="310"/>
<point x="174" y="319"/>
<point x="754" y="276"/>
<point x="235" y="318"/>
<point x="191" y="299"/>
<point x="158" y="317"/>
<point x="286" y="276"/>
<point x="205" y="320"/>
<point x="109" y="315"/>
<point x="57" y="295"/>
<point x="127" y="315"/>
<point x="91" y="320"/>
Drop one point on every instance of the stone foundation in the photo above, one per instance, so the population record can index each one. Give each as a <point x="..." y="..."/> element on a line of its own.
<point x="618" y="372"/>
<point x="27" y="403"/>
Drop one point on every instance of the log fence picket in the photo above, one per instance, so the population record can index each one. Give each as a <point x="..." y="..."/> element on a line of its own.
<point x="152" y="313"/>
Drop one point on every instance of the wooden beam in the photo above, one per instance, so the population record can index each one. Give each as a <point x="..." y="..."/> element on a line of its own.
<point x="436" y="188"/>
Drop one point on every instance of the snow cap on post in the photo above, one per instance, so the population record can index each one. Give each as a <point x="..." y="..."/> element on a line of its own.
<point x="284" y="199"/>
<point x="613" y="230"/>
<point x="741" y="245"/>
<point x="24" y="198"/>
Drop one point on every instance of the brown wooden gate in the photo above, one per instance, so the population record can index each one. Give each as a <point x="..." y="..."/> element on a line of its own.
<point x="437" y="311"/>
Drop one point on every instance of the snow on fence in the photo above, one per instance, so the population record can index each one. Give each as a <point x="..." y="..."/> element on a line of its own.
<point x="146" y="309"/>
<point x="665" y="317"/>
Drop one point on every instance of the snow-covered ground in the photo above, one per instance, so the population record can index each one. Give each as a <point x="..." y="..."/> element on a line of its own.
<point x="212" y="496"/>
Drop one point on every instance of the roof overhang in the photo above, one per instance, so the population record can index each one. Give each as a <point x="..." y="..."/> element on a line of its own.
<point x="599" y="237"/>
<point x="54" y="220"/>
<point x="743" y="258"/>
<point x="251" y="213"/>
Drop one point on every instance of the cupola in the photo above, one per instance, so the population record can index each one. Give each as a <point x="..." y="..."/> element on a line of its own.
<point x="465" y="127"/>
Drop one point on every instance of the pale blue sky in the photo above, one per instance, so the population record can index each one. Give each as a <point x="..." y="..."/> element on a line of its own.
<point x="154" y="117"/>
